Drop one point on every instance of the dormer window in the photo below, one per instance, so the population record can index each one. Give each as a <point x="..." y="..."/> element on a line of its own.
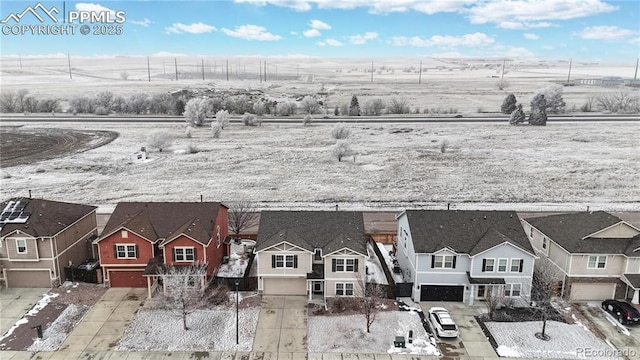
<point x="317" y="255"/>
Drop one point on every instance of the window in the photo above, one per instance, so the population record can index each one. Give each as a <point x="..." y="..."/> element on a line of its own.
<point x="531" y="232"/>
<point x="345" y="265"/>
<point x="516" y="265"/>
<point x="344" y="289"/>
<point x="21" y="245"/>
<point x="444" y="261"/>
<point x="184" y="254"/>
<point x="218" y="236"/>
<point x="545" y="243"/>
<point x="317" y="254"/>
<point x="284" y="261"/>
<point x="502" y="265"/>
<point x="124" y="234"/>
<point x="125" y="251"/>
<point x="512" y="289"/>
<point x="488" y="265"/>
<point x="597" y="262"/>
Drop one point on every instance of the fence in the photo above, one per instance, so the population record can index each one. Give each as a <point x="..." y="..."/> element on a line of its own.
<point x="93" y="276"/>
<point x="245" y="283"/>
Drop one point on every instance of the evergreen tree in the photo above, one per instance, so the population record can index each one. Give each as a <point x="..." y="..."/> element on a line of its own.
<point x="509" y="104"/>
<point x="354" y="107"/>
<point x="538" y="114"/>
<point x="517" y="116"/>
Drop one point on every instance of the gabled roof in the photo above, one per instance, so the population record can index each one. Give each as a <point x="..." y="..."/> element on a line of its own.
<point x="310" y="230"/>
<point x="47" y="218"/>
<point x="164" y="220"/>
<point x="571" y="230"/>
<point x="465" y="231"/>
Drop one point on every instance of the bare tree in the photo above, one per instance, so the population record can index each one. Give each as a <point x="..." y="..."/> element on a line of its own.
<point x="340" y="131"/>
<point x="8" y="102"/>
<point x="159" y="139"/>
<point x="307" y="120"/>
<point x="184" y="288"/>
<point x="251" y="120"/>
<point x="494" y="298"/>
<point x="216" y="130"/>
<point x="502" y="84"/>
<point x="542" y="284"/>
<point x="259" y="108"/>
<point x="398" y="106"/>
<point x="620" y="102"/>
<point x="372" y="295"/>
<point x="341" y="149"/>
<point x="222" y="117"/>
<point x="124" y="75"/>
<point x="242" y="215"/>
<point x="21" y="95"/>
<point x="373" y="107"/>
<point x="310" y="105"/>
<point x="195" y="111"/>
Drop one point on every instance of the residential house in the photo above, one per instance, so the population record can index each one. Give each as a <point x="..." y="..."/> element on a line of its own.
<point x="464" y="255"/>
<point x="175" y="233"/>
<point x="596" y="254"/>
<point x="38" y="238"/>
<point x="315" y="253"/>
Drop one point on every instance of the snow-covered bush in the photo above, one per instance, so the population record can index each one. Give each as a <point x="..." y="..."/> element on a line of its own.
<point x="340" y="131"/>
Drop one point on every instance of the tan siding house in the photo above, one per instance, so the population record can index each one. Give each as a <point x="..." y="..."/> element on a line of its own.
<point x="38" y="238"/>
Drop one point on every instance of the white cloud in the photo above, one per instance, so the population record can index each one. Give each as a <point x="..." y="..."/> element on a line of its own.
<point x="635" y="41"/>
<point x="311" y="33"/>
<point x="167" y="54"/>
<point x="319" y="25"/>
<point x="362" y="39"/>
<point x="293" y="4"/>
<point x="252" y="32"/>
<point x="519" y="52"/>
<point x="447" y="41"/>
<point x="508" y="13"/>
<point x="531" y="36"/>
<point x="294" y="33"/>
<point x="605" y="33"/>
<point x="520" y="25"/>
<point x="93" y="8"/>
<point x="145" y="22"/>
<point x="374" y="6"/>
<point x="330" y="42"/>
<point x="195" y="28"/>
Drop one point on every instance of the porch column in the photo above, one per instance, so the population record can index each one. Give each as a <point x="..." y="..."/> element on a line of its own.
<point x="472" y="294"/>
<point x="636" y="297"/>
<point x="310" y="289"/>
<point x="148" y="287"/>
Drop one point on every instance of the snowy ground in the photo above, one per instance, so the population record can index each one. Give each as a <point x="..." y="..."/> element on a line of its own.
<point x="58" y="331"/>
<point x="348" y="334"/>
<point x="568" y="341"/>
<point x="375" y="273"/>
<point x="44" y="301"/>
<point x="209" y="330"/>
<point x="384" y="249"/>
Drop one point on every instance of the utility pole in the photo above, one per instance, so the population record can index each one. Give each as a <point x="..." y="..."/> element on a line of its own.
<point x="20" y="60"/>
<point x="265" y="71"/>
<point x="636" y="74"/>
<point x="420" y="73"/>
<point x="260" y="71"/>
<point x="503" y="63"/>
<point x="148" y="70"/>
<point x="372" y="71"/>
<point x="227" y="70"/>
<point x="569" y="75"/>
<point x="175" y="61"/>
<point x="202" y="69"/>
<point x="69" y="61"/>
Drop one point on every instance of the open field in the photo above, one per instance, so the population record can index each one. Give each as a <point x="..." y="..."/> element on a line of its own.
<point x="584" y="163"/>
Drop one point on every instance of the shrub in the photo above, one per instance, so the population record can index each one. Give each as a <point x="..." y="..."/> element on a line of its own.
<point x="188" y="132"/>
<point x="191" y="149"/>
<point x="216" y="130"/>
<point x="250" y="120"/>
<point x="82" y="104"/>
<point x="354" y="106"/>
<point x="398" y="106"/>
<point x="219" y="295"/>
<point x="310" y="105"/>
<point x="509" y="104"/>
<point x="373" y="107"/>
<point x="517" y="116"/>
<point x="195" y="111"/>
<point x="286" y="108"/>
<point x="444" y="144"/>
<point x="259" y="108"/>
<point x="159" y="139"/>
<point x="101" y="110"/>
<point x="553" y="97"/>
<point x="502" y="84"/>
<point x="340" y="131"/>
<point x="124" y="75"/>
<point x="336" y="111"/>
<point x="341" y="149"/>
<point x="48" y="105"/>
<point x="136" y="104"/>
<point x="344" y="109"/>
<point x="307" y="120"/>
<point x="620" y="102"/>
<point x="222" y="118"/>
<point x="8" y="102"/>
<point x="30" y="104"/>
<point x="104" y="99"/>
<point x="242" y="104"/>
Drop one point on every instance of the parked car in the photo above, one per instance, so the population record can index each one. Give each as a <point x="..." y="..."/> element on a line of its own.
<point x="623" y="311"/>
<point x="442" y="323"/>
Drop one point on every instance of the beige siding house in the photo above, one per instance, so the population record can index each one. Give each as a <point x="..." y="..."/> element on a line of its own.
<point x="597" y="255"/>
<point x="313" y="253"/>
<point x="38" y="238"/>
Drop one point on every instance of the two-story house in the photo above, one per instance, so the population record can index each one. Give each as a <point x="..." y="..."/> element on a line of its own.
<point x="176" y="233"/>
<point x="464" y="255"/>
<point x="316" y="253"/>
<point x="597" y="254"/>
<point x="38" y="238"/>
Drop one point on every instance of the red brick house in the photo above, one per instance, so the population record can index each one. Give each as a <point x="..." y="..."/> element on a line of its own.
<point x="176" y="233"/>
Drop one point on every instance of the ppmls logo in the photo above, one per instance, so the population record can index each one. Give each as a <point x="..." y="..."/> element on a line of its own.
<point x="34" y="11"/>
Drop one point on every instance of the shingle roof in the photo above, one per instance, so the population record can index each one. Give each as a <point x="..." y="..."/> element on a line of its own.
<point x="570" y="230"/>
<point x="465" y="231"/>
<point x="165" y="220"/>
<point x="47" y="217"/>
<point x="326" y="230"/>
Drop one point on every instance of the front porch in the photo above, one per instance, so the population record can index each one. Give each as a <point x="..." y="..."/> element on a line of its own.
<point x="633" y="287"/>
<point x="483" y="288"/>
<point x="315" y="284"/>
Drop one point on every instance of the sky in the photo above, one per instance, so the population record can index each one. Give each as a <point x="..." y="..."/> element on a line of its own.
<point x="586" y="30"/>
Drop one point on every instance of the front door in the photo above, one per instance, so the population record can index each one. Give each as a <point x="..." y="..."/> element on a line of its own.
<point x="317" y="287"/>
<point x="480" y="294"/>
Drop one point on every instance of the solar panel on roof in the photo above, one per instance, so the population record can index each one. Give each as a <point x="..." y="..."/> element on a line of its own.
<point x="20" y="205"/>
<point x="14" y="215"/>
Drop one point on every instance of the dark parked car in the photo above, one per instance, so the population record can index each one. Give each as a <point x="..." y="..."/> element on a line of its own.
<point x="623" y="311"/>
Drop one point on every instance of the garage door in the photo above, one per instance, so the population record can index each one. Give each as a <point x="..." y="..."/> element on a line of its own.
<point x="441" y="293"/>
<point x="587" y="291"/>
<point x="28" y="279"/>
<point x="127" y="279"/>
<point x="295" y="286"/>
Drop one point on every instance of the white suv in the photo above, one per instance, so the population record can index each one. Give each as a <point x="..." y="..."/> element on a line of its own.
<point x="442" y="323"/>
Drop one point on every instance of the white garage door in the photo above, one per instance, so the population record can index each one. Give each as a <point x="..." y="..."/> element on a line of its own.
<point x="586" y="291"/>
<point x="286" y="286"/>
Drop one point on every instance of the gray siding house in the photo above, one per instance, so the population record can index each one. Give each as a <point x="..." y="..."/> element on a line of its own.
<point x="464" y="255"/>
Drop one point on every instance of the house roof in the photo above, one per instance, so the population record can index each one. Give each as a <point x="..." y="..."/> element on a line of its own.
<point x="165" y="221"/>
<point x="634" y="280"/>
<point x="326" y="230"/>
<point x="465" y="231"/>
<point x="572" y="231"/>
<point x="47" y="218"/>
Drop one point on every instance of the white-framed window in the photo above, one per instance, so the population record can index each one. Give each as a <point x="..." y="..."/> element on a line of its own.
<point x="545" y="243"/>
<point x="345" y="265"/>
<point x="597" y="262"/>
<point x="344" y="289"/>
<point x="124" y="234"/>
<point x="126" y="251"/>
<point x="502" y="265"/>
<point x="284" y="261"/>
<point x="512" y="289"/>
<point x="443" y="261"/>
<point x="218" y="242"/>
<point x="515" y="265"/>
<point x="531" y="232"/>
<point x="184" y="253"/>
<point x="21" y="246"/>
<point x="488" y="265"/>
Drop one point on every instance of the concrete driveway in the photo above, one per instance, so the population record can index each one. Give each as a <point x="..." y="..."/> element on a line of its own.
<point x="15" y="302"/>
<point x="629" y="345"/>
<point x="472" y="341"/>
<point x="102" y="327"/>
<point x="282" y="327"/>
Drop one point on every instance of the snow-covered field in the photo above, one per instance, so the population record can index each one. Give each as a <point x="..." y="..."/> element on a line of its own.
<point x="348" y="334"/>
<point x="286" y="163"/>
<point x="209" y="330"/>
<point x="568" y="341"/>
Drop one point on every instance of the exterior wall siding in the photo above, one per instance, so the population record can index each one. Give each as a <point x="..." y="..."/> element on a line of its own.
<point x="632" y="266"/>
<point x="338" y="275"/>
<point x="620" y="230"/>
<point x="216" y="252"/>
<point x="12" y="248"/>
<point x="183" y="241"/>
<point x="613" y="267"/>
<point x="508" y="252"/>
<point x="265" y="269"/>
<point x="405" y="252"/>
<point x="108" y="256"/>
<point x="620" y="285"/>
